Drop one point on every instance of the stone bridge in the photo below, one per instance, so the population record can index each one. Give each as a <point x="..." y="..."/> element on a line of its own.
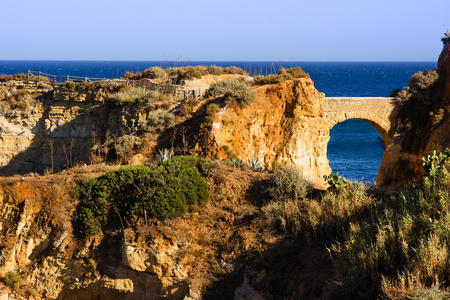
<point x="374" y="110"/>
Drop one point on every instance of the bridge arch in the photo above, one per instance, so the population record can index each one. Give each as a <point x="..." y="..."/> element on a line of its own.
<point x="374" y="110"/>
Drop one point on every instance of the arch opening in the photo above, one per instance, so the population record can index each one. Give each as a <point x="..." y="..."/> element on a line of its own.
<point x="356" y="148"/>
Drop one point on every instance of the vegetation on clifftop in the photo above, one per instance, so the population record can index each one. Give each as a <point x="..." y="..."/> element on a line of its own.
<point x="418" y="109"/>
<point x="283" y="75"/>
<point x="232" y="89"/>
<point x="182" y="73"/>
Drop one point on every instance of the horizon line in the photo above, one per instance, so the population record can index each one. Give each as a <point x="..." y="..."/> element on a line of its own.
<point x="215" y="61"/>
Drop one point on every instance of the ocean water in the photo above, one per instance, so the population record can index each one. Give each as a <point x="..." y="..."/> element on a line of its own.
<point x="354" y="149"/>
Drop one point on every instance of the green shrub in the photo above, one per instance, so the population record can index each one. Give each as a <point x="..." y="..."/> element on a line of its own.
<point x="166" y="191"/>
<point x="335" y="182"/>
<point x="290" y="184"/>
<point x="434" y="163"/>
<point x="12" y="279"/>
<point x="129" y="95"/>
<point x="235" y="89"/>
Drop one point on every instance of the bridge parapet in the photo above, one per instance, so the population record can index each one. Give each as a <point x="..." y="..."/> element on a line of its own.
<point x="374" y="110"/>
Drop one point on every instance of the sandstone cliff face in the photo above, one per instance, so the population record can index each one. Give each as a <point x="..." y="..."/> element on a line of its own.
<point x="285" y="124"/>
<point x="401" y="163"/>
<point x="170" y="259"/>
<point x="38" y="241"/>
<point x="68" y="119"/>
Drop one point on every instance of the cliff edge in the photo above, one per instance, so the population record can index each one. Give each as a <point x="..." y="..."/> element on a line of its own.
<point x="422" y="125"/>
<point x="286" y="125"/>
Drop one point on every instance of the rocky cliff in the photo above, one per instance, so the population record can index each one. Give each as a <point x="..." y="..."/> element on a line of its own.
<point x="183" y="258"/>
<point x="43" y="126"/>
<point x="423" y="125"/>
<point x="285" y="124"/>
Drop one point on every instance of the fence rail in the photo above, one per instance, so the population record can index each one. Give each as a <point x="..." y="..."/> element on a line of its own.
<point x="168" y="89"/>
<point x="60" y="78"/>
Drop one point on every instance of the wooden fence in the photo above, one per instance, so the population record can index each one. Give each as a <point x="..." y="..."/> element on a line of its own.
<point x="60" y="78"/>
<point x="168" y="89"/>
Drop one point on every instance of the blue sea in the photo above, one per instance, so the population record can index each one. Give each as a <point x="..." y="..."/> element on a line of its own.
<point x="354" y="150"/>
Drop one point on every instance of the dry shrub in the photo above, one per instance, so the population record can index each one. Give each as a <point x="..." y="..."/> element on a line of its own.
<point x="313" y="218"/>
<point x="232" y="89"/>
<point x="290" y="184"/>
<point x="154" y="72"/>
<point x="283" y="75"/>
<point x="409" y="286"/>
<point x="159" y="121"/>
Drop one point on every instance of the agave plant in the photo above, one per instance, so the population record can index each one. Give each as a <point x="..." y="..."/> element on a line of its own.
<point x="255" y="164"/>
<point x="237" y="163"/>
<point x="163" y="155"/>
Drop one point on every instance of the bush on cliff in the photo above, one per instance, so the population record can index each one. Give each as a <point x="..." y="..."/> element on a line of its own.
<point x="290" y="184"/>
<point x="186" y="72"/>
<point x="418" y="108"/>
<point x="12" y="280"/>
<point x="166" y="191"/>
<point x="154" y="73"/>
<point x="283" y="75"/>
<point x="158" y="121"/>
<point x="235" y="89"/>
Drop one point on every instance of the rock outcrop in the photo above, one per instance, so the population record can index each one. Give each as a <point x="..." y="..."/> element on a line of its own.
<point x="402" y="163"/>
<point x="58" y="126"/>
<point x="171" y="259"/>
<point x="285" y="124"/>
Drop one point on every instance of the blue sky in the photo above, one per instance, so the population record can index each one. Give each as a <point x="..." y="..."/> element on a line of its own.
<point x="283" y="30"/>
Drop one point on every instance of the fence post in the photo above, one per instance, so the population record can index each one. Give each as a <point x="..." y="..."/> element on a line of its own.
<point x="54" y="78"/>
<point x="28" y="76"/>
<point x="85" y="78"/>
<point x="67" y="78"/>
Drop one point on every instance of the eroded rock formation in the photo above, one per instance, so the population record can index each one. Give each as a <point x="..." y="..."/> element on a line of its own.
<point x="285" y="124"/>
<point x="402" y="162"/>
<point x="57" y="125"/>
